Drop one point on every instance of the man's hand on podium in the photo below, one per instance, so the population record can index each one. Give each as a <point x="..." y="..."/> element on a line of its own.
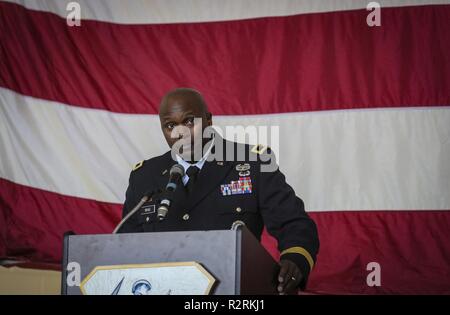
<point x="289" y="277"/>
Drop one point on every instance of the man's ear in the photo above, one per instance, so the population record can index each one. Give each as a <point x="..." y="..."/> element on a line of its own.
<point x="209" y="118"/>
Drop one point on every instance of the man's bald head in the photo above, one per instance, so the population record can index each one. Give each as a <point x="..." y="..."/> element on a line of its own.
<point x="185" y="95"/>
<point x="183" y="107"/>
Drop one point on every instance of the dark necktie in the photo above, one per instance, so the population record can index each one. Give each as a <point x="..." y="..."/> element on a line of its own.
<point x="192" y="172"/>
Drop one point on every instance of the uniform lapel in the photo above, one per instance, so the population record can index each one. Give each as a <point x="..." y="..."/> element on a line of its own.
<point x="210" y="177"/>
<point x="165" y="171"/>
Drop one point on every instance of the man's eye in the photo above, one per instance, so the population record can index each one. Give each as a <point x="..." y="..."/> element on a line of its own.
<point x="170" y="126"/>
<point x="189" y="121"/>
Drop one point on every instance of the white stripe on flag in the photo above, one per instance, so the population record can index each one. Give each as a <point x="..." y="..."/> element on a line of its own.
<point x="386" y="159"/>
<point x="175" y="11"/>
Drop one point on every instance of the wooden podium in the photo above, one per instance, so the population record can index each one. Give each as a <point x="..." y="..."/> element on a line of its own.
<point x="234" y="258"/>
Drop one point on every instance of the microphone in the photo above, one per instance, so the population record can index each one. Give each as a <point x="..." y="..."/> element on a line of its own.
<point x="176" y="173"/>
<point x="143" y="200"/>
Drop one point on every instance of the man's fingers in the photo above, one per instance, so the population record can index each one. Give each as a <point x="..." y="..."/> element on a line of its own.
<point x="293" y="282"/>
<point x="286" y="273"/>
<point x="291" y="276"/>
<point x="283" y="271"/>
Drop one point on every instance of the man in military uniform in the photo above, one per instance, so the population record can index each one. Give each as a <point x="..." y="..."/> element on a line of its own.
<point x="219" y="192"/>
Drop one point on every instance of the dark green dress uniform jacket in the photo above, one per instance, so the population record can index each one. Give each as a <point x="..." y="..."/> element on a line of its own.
<point x="272" y="202"/>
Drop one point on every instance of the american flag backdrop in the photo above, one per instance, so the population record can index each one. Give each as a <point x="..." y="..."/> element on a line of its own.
<point x="363" y="115"/>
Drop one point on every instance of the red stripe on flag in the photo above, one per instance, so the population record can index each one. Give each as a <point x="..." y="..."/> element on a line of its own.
<point x="307" y="62"/>
<point x="35" y="220"/>
<point x="411" y="247"/>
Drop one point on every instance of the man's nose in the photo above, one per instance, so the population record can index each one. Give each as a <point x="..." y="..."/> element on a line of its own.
<point x="181" y="135"/>
<point x="181" y="132"/>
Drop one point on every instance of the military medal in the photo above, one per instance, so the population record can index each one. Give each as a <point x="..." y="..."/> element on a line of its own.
<point x="239" y="187"/>
<point x="243" y="169"/>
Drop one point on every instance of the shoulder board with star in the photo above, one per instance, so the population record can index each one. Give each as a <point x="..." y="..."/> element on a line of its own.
<point x="138" y="165"/>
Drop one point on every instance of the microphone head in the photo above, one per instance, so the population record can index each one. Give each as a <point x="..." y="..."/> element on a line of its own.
<point x="177" y="169"/>
<point x="176" y="173"/>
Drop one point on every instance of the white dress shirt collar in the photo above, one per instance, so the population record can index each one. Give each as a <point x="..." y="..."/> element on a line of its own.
<point x="199" y="164"/>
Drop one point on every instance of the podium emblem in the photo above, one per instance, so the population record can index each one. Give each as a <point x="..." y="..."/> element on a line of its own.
<point x="175" y="278"/>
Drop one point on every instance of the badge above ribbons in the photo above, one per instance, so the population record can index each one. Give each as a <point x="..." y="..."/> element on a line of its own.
<point x="243" y="169"/>
<point x="179" y="278"/>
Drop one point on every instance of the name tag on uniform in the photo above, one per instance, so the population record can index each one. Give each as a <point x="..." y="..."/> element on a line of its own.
<point x="148" y="209"/>
<point x="238" y="187"/>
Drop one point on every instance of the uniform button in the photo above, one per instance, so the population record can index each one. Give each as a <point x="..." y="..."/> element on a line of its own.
<point x="186" y="217"/>
<point x="238" y="209"/>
